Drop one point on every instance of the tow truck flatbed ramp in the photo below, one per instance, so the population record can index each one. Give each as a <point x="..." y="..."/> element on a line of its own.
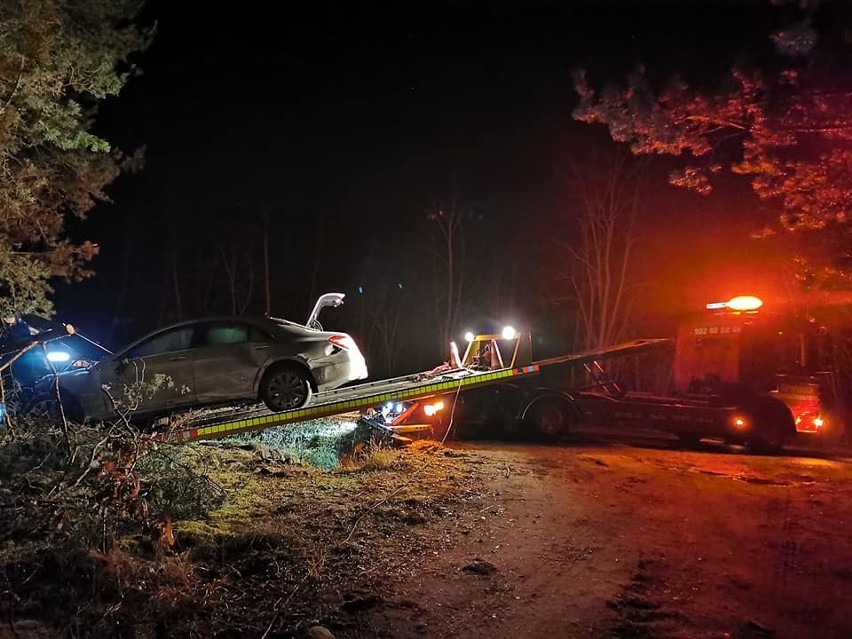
<point x="345" y="400"/>
<point x="216" y="423"/>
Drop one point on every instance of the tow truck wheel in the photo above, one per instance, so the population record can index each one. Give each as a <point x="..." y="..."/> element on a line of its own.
<point x="549" y="418"/>
<point x="769" y="441"/>
<point x="285" y="387"/>
<point x="773" y="426"/>
<point x="689" y="440"/>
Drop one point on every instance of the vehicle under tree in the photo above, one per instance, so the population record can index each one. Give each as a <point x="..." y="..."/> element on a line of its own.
<point x="741" y="374"/>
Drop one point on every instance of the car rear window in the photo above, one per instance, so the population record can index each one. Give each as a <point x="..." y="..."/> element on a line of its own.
<point x="231" y="334"/>
<point x="223" y="334"/>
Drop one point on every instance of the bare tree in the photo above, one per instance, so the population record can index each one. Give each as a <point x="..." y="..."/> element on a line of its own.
<point x="121" y="292"/>
<point x="266" y="278"/>
<point x="175" y="274"/>
<point x="380" y="307"/>
<point x="451" y="254"/>
<point x="594" y="268"/>
<point x="500" y="286"/>
<point x="319" y="239"/>
<point x="237" y="259"/>
<point x="205" y="281"/>
<point x="385" y="315"/>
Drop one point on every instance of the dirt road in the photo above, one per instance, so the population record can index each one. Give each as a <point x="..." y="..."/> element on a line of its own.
<point x="594" y="539"/>
<point x="618" y="540"/>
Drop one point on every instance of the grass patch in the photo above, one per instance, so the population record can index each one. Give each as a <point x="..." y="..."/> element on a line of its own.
<point x="253" y="522"/>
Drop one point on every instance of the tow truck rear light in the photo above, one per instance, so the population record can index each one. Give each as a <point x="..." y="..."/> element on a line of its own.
<point x="343" y="341"/>
<point x="808" y="423"/>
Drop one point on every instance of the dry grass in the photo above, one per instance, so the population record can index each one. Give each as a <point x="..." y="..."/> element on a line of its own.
<point x="288" y="541"/>
<point x="427" y="446"/>
<point x="382" y="459"/>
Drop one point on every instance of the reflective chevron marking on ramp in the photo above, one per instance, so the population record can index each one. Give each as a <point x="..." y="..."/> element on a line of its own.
<point x="373" y="394"/>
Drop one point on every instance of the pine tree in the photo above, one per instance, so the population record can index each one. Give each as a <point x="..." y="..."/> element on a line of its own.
<point x="58" y="60"/>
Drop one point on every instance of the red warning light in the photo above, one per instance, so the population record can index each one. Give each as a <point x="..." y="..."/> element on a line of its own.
<point x="745" y="303"/>
<point x="740" y="304"/>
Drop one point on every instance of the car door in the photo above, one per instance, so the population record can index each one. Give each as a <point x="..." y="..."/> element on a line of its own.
<point x="227" y="360"/>
<point x="155" y="375"/>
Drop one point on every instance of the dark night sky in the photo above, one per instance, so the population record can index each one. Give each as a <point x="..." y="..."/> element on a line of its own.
<point x="345" y="121"/>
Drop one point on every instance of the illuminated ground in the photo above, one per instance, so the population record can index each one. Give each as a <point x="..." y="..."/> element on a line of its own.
<point x="603" y="537"/>
<point x="617" y="540"/>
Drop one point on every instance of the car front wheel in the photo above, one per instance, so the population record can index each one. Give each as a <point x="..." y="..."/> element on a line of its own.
<point x="285" y="388"/>
<point x="47" y="407"/>
<point x="44" y="407"/>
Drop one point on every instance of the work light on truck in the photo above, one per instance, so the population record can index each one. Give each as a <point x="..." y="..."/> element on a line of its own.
<point x="431" y="409"/>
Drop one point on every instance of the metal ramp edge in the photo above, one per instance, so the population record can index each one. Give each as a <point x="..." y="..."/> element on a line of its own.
<point x="607" y="352"/>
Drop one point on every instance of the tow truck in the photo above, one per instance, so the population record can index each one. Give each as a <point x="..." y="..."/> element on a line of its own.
<point x="497" y="385"/>
<point x="397" y="402"/>
<point x="741" y="375"/>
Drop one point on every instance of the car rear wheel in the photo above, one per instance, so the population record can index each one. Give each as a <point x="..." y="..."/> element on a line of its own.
<point x="285" y="387"/>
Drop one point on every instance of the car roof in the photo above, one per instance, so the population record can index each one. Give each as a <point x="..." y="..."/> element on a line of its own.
<point x="256" y="320"/>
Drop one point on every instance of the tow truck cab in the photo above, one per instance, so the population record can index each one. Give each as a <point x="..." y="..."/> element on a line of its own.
<point x="739" y="349"/>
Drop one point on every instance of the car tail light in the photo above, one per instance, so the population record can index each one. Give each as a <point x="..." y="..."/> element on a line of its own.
<point x="343" y="341"/>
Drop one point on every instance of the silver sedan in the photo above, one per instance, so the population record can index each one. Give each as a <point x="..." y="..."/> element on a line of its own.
<point x="217" y="360"/>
